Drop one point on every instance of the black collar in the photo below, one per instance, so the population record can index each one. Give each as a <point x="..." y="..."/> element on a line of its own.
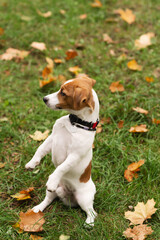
<point x="76" y="121"/>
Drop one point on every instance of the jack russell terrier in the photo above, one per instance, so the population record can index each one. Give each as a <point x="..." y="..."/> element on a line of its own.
<point x="71" y="146"/>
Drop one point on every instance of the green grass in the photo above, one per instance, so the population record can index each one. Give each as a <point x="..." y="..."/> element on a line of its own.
<point x="115" y="149"/>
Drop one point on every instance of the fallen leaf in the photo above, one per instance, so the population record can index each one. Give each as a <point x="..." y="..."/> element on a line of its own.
<point x="144" y="40"/>
<point x="112" y="52"/>
<point x="133" y="65"/>
<point x="1" y="31"/>
<point x="14" y="53"/>
<point x="140" y="110"/>
<point x="45" y="15"/>
<point x="127" y="15"/>
<point x="31" y="221"/>
<point x="140" y="128"/>
<point x="96" y="4"/>
<point x="141" y="212"/>
<point x="107" y="38"/>
<point x="128" y="175"/>
<point x="26" y="18"/>
<point x="83" y="16"/>
<point x="116" y="86"/>
<point x="61" y="78"/>
<point x="64" y="237"/>
<point x="121" y="58"/>
<point x="154" y="120"/>
<point x="23" y="195"/>
<point x="50" y="79"/>
<point x="46" y="72"/>
<point x="156" y="72"/>
<point x="4" y="119"/>
<point x="17" y="227"/>
<point x="39" y="136"/>
<point x="2" y="165"/>
<point x="138" y="232"/>
<point x="76" y="70"/>
<point x="35" y="237"/>
<point x="39" y="45"/>
<point x="50" y="63"/>
<point x="132" y="169"/>
<point x="71" y="54"/>
<point x="149" y="79"/>
<point x="120" y="124"/>
<point x="99" y="128"/>
<point x="58" y="60"/>
<point x="136" y="165"/>
<point x="63" y="12"/>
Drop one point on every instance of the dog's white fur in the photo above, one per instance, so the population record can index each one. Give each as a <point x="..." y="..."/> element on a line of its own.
<point x="71" y="149"/>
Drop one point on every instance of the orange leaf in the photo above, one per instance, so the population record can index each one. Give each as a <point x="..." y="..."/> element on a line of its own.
<point x="149" y="79"/>
<point x="131" y="170"/>
<point x="154" y="120"/>
<point x="46" y="71"/>
<point x="138" y="232"/>
<point x="96" y="4"/>
<point x="75" y="70"/>
<point x="1" y="31"/>
<point x="31" y="221"/>
<point x="140" y="110"/>
<point x="134" y="166"/>
<point x="127" y="15"/>
<point x="140" y="128"/>
<point x="71" y="54"/>
<point x="128" y="175"/>
<point x="58" y="60"/>
<point x="120" y="124"/>
<point x="45" y="15"/>
<point x="50" y="63"/>
<point x="35" y="237"/>
<point x="133" y="65"/>
<point x="116" y="86"/>
<point x="39" y="45"/>
<point x="107" y="38"/>
<point x="83" y="16"/>
<point x="42" y="83"/>
<point x="144" y="40"/>
<point x="24" y="194"/>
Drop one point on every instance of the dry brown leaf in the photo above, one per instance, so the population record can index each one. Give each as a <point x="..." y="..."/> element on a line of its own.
<point x="35" y="237"/>
<point x="24" y="194"/>
<point x="50" y="63"/>
<point x="138" y="232"/>
<point x="132" y="169"/>
<point x="1" y="31"/>
<point x="128" y="175"/>
<point x="149" y="79"/>
<point x="45" y="15"/>
<point x="141" y="212"/>
<point x="31" y="221"/>
<point x="140" y="128"/>
<point x="83" y="16"/>
<point x="71" y="54"/>
<point x="50" y="79"/>
<point x="156" y="72"/>
<point x="133" y="65"/>
<point x="58" y="60"/>
<point x="140" y="110"/>
<point x="76" y="70"/>
<point x="39" y="45"/>
<point x="107" y="38"/>
<point x="127" y="15"/>
<point x="46" y="72"/>
<point x="112" y="52"/>
<point x="116" y="86"/>
<point x="96" y="4"/>
<point x="2" y="165"/>
<point x="39" y="136"/>
<point x="14" y="53"/>
<point x="156" y="121"/>
<point x="144" y="40"/>
<point x="120" y="124"/>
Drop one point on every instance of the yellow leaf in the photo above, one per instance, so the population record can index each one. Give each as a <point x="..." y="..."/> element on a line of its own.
<point x="96" y="4"/>
<point x="141" y="212"/>
<point x="63" y="12"/>
<point x="39" y="136"/>
<point x="50" y="63"/>
<point x="127" y="15"/>
<point x="64" y="237"/>
<point x="140" y="128"/>
<point x="43" y="83"/>
<point x="116" y="86"/>
<point x="75" y="70"/>
<point x="38" y="45"/>
<point x="133" y="65"/>
<point x="24" y="194"/>
<point x="138" y="232"/>
<point x="149" y="79"/>
<point x="140" y="110"/>
<point x="17" y="227"/>
<point x="45" y="15"/>
<point x="35" y="237"/>
<point x="58" y="60"/>
<point x="144" y="40"/>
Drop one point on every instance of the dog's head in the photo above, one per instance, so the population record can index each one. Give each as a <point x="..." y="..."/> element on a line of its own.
<point x="74" y="94"/>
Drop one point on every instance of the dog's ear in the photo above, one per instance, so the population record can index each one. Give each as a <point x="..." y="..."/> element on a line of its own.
<point x="89" y="80"/>
<point x="83" y="98"/>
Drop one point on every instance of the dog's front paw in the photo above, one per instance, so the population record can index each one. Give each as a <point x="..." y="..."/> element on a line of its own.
<point x="31" y="164"/>
<point x="51" y="185"/>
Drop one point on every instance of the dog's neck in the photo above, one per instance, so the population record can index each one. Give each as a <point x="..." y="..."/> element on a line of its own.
<point x="86" y="114"/>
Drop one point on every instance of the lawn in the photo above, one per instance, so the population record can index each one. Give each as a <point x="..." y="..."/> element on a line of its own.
<point x="115" y="148"/>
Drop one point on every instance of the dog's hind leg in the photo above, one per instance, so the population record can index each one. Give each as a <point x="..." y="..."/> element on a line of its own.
<point x="43" y="149"/>
<point x="50" y="196"/>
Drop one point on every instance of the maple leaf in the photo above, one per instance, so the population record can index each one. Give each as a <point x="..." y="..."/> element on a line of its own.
<point x="107" y="38"/>
<point x="96" y="4"/>
<point x="138" y="232"/>
<point x="140" y="110"/>
<point x="116" y="86"/>
<point x="39" y="45"/>
<point x="39" y="136"/>
<point x="144" y="40"/>
<point x="141" y="212"/>
<point x="14" y="53"/>
<point x="140" y="128"/>
<point x="31" y="221"/>
<point x="133" y="65"/>
<point x="132" y="169"/>
<point x="24" y="194"/>
<point x="76" y="70"/>
<point x="127" y="15"/>
<point x="71" y="54"/>
<point x="149" y="79"/>
<point x="45" y="15"/>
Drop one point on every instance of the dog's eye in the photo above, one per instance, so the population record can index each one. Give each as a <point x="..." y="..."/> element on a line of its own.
<point x="62" y="93"/>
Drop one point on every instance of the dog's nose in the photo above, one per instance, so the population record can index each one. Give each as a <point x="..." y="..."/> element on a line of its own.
<point x="45" y="99"/>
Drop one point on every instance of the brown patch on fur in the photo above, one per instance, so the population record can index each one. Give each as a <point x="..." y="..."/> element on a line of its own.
<point x="87" y="173"/>
<point x="76" y="94"/>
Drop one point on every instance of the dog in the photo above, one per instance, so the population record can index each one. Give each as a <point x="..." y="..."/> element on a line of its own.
<point x="71" y="143"/>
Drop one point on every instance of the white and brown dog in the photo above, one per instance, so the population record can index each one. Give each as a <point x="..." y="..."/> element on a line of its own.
<point x="71" y="146"/>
